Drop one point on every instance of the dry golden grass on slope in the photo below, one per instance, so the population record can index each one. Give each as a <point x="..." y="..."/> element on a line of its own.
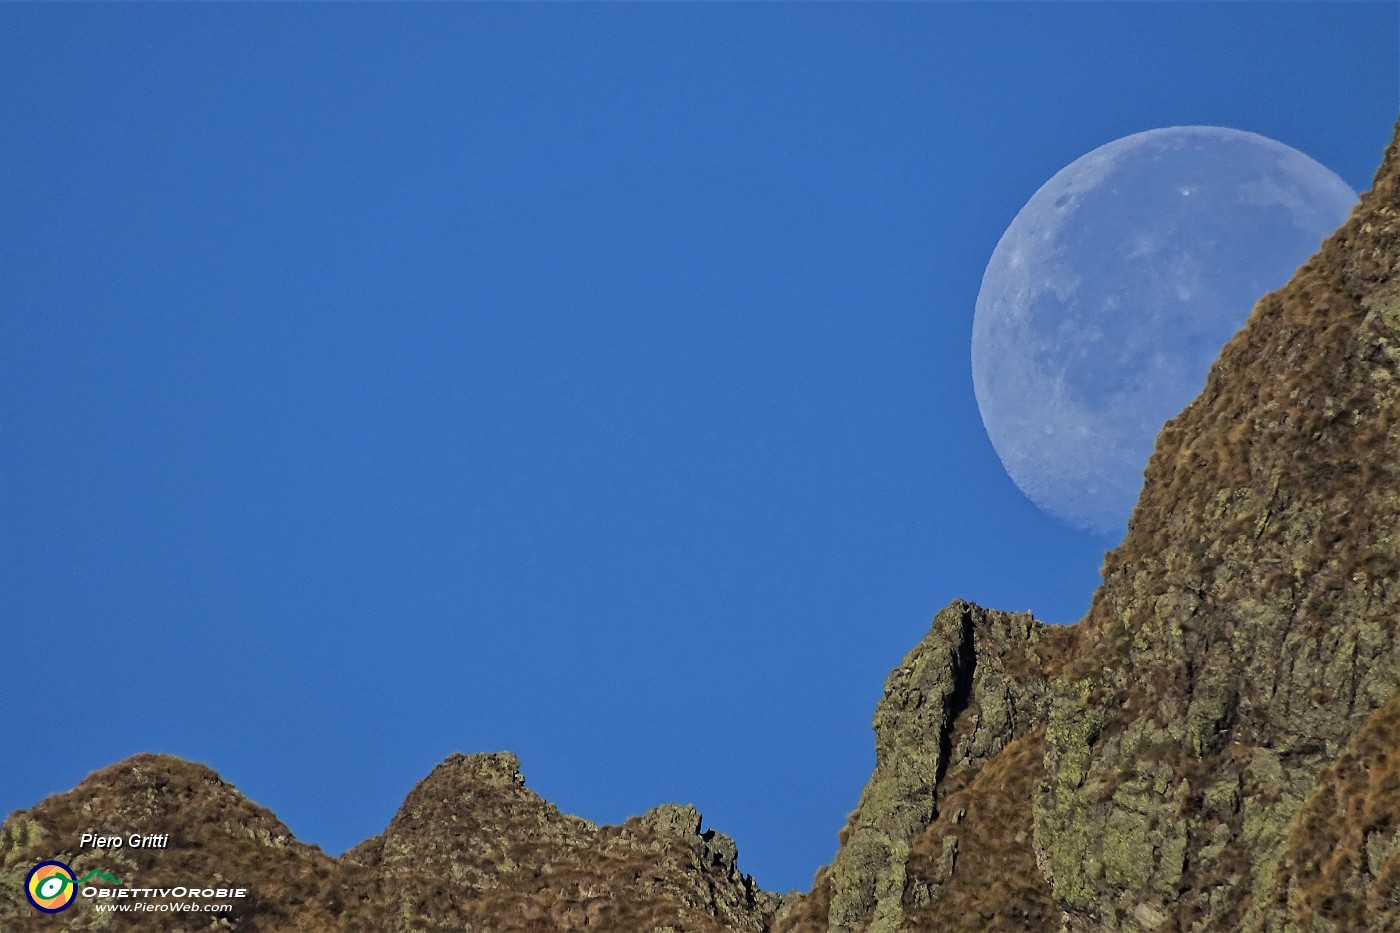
<point x="974" y="868"/>
<point x="1247" y="625"/>
<point x="1341" y="867"/>
<point x="808" y="913"/>
<point x="990" y="760"/>
<point x="217" y="837"/>
<point x="471" y="850"/>
<point x="1294" y="432"/>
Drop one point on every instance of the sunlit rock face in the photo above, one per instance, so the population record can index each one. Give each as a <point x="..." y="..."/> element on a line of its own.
<point x="1112" y="292"/>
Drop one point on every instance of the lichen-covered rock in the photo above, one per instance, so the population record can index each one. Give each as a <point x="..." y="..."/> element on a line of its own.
<point x="974" y="867"/>
<point x="1340" y="868"/>
<point x="974" y="684"/>
<point x="1246" y="627"/>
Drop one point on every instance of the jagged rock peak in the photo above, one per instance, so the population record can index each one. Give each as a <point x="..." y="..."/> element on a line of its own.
<point x="672" y="819"/>
<point x="493" y="769"/>
<point x="973" y="685"/>
<point x="471" y="849"/>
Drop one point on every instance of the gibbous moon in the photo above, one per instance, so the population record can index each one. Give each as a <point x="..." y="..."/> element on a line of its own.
<point x="1112" y="292"/>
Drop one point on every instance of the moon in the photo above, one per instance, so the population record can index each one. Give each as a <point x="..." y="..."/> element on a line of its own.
<point x="1112" y="292"/>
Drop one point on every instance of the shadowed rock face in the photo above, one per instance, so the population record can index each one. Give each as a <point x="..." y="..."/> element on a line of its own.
<point x="1216" y="746"/>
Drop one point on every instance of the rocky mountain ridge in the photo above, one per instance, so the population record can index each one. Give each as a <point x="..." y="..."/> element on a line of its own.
<point x="471" y="850"/>
<point x="1216" y="746"/>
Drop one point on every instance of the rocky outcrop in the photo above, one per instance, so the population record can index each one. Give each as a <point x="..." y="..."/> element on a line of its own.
<point x="976" y="684"/>
<point x="471" y="850"/>
<point x="1245" y="630"/>
<point x="214" y="836"/>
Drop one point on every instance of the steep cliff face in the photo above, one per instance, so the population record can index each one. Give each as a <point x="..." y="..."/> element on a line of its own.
<point x="1245" y="631"/>
<point x="961" y="723"/>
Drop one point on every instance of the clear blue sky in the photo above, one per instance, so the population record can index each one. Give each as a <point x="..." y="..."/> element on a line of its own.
<point x="378" y="382"/>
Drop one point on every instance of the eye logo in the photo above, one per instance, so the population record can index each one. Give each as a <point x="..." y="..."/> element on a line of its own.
<point x="50" y="887"/>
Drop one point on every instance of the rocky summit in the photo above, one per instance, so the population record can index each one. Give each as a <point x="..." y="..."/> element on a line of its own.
<point x="472" y="849"/>
<point x="1215" y="747"/>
